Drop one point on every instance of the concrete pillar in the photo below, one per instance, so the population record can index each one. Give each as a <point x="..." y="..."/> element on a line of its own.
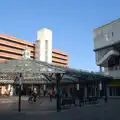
<point x="100" y="68"/>
<point x="44" y="87"/>
<point x="85" y="91"/>
<point x="112" y="91"/>
<point x="44" y="90"/>
<point x="98" y="91"/>
<point x="115" y="91"/>
<point x="74" y="93"/>
<point x="9" y="86"/>
<point x="32" y="87"/>
<point x="79" y="94"/>
<point x="108" y="91"/>
<point x="95" y="90"/>
<point x="11" y="91"/>
<point x="68" y="91"/>
<point x="101" y="87"/>
<point x="105" y="91"/>
<point x="78" y="86"/>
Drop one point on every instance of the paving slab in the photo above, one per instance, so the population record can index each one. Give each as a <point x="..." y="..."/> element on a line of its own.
<point x="102" y="111"/>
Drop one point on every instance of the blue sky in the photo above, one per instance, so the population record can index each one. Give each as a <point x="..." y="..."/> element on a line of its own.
<point x="72" y="23"/>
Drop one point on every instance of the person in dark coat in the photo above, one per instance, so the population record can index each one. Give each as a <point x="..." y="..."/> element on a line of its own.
<point x="51" y="94"/>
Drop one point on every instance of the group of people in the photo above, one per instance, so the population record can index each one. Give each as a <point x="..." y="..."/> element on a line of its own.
<point x="36" y="94"/>
<point x="51" y="94"/>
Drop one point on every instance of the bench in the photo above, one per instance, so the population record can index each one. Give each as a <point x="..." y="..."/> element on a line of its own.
<point x="91" y="100"/>
<point x="66" y="103"/>
<point x="94" y="100"/>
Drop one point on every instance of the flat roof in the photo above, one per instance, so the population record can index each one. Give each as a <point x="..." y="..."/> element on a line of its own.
<point x="107" y="24"/>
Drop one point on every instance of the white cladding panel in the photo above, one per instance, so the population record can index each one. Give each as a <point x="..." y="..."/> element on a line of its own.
<point x="26" y="54"/>
<point x="37" y="50"/>
<point x="42" y="36"/>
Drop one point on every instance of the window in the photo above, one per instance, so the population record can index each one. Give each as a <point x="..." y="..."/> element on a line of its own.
<point x="37" y="49"/>
<point x="46" y="50"/>
<point x="106" y="37"/>
<point x="46" y="44"/>
<point x="112" y="34"/>
<point x="46" y="58"/>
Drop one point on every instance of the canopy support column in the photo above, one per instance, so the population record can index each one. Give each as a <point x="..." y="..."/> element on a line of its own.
<point x="85" y="91"/>
<point x="74" y="93"/>
<point x="105" y="91"/>
<point x="58" y="79"/>
<point x="98" y="89"/>
<point x="20" y="83"/>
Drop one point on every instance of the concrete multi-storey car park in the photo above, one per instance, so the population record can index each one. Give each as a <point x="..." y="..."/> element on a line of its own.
<point x="15" y="48"/>
<point x="107" y="52"/>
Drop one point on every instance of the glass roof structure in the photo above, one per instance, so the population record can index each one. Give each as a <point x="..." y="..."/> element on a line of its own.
<point x="42" y="72"/>
<point x="27" y="66"/>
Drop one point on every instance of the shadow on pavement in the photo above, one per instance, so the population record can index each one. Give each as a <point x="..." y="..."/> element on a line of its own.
<point x="104" y="111"/>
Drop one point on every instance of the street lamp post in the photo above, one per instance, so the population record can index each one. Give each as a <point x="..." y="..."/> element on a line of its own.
<point x="100" y="88"/>
<point x="79" y="93"/>
<point x="20" y="83"/>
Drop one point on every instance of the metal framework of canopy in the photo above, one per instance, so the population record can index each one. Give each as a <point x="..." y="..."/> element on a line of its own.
<point x="34" y="71"/>
<point x="42" y="72"/>
<point x="27" y="66"/>
<point x="84" y="75"/>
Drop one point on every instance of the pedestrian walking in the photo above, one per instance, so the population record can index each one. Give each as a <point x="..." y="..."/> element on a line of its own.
<point x="51" y="94"/>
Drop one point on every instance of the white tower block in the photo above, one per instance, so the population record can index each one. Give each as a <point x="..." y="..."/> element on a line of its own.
<point x="43" y="45"/>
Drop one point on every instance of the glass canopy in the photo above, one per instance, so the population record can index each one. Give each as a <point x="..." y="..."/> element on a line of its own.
<point x="27" y="66"/>
<point x="42" y="72"/>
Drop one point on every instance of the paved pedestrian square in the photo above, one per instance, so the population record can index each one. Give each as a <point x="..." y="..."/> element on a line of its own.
<point x="47" y="111"/>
